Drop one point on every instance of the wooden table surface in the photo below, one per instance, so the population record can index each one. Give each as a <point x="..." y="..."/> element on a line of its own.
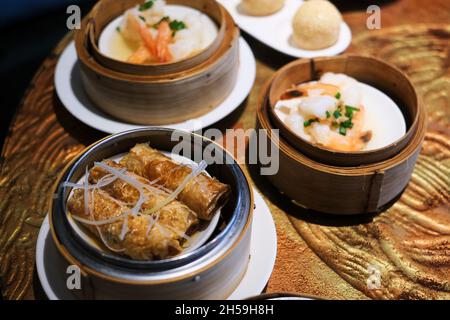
<point x="317" y="254"/>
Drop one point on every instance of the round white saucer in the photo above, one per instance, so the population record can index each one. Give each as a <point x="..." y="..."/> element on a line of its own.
<point x="51" y="267"/>
<point x="71" y="93"/>
<point x="275" y="30"/>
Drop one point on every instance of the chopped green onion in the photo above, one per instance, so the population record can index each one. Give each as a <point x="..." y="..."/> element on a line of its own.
<point x="328" y="114"/>
<point x="118" y="29"/>
<point x="142" y="18"/>
<point x="352" y="108"/>
<point x="176" y="25"/>
<point x="342" y="130"/>
<point x="165" y="18"/>
<point x="307" y="123"/>
<point x="337" y="114"/>
<point x="147" y="5"/>
<point x="338" y="95"/>
<point x="347" y="124"/>
<point x="349" y="111"/>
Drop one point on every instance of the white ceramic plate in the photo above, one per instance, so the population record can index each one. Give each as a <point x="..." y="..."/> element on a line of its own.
<point x="71" y="93"/>
<point x="51" y="267"/>
<point x="197" y="240"/>
<point x="275" y="30"/>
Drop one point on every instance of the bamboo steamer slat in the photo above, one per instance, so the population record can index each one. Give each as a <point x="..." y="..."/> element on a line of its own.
<point x="107" y="10"/>
<point x="161" y="99"/>
<point x="368" y="70"/>
<point x="339" y="189"/>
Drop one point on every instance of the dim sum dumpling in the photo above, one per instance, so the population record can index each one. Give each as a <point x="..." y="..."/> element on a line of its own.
<point x="262" y="7"/>
<point x="316" y="25"/>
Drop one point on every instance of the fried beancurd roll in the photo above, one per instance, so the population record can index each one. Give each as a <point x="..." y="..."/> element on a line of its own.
<point x="203" y="194"/>
<point x="175" y="214"/>
<point x="137" y="243"/>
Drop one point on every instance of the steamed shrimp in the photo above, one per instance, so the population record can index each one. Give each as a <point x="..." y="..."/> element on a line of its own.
<point x="354" y="140"/>
<point x="320" y="88"/>
<point x="130" y="28"/>
<point x="152" y="49"/>
<point x="162" y="42"/>
<point x="140" y="56"/>
<point x="148" y="40"/>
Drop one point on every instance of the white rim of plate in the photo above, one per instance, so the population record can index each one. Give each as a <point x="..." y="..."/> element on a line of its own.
<point x="263" y="251"/>
<point x="79" y="105"/>
<point x="253" y="26"/>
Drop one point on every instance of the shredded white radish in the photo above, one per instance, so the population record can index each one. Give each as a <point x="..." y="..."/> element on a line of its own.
<point x="94" y="222"/>
<point x="87" y="209"/>
<point x="201" y="166"/>
<point x="115" y="174"/>
<point x="86" y="192"/>
<point x="151" y="223"/>
<point x="124" y="228"/>
<point x="177" y="232"/>
<point x="122" y="175"/>
<point x="102" y="182"/>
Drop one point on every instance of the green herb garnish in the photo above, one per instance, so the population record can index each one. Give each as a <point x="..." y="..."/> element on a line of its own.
<point x="142" y="18"/>
<point x="337" y="114"/>
<point x="342" y="130"/>
<point x="165" y="18"/>
<point x="349" y="111"/>
<point x="176" y="25"/>
<point x="328" y="114"/>
<point x="147" y="5"/>
<point x="338" y="95"/>
<point x="307" y="123"/>
<point x="347" y="124"/>
<point x="118" y="29"/>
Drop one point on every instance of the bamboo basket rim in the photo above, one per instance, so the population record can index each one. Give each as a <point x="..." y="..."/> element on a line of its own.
<point x="263" y="118"/>
<point x="407" y="136"/>
<point x="88" y="271"/>
<point x="89" y="61"/>
<point x="94" y="42"/>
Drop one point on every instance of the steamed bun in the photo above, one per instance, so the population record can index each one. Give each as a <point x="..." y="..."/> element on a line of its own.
<point x="316" y="25"/>
<point x="262" y="7"/>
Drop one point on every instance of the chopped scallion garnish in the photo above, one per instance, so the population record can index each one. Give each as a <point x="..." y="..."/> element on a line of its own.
<point x="347" y="124"/>
<point x="328" y="114"/>
<point x="337" y="114"/>
<point x="342" y="130"/>
<point x="307" y="123"/>
<point x="349" y="111"/>
<point x="338" y="95"/>
<point x="176" y="25"/>
<point x="147" y="5"/>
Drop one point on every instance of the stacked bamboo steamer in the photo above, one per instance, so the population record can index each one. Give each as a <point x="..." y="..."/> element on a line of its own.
<point x="160" y="93"/>
<point x="342" y="182"/>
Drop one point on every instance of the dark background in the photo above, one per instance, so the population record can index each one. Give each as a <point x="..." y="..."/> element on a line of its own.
<point x="29" y="30"/>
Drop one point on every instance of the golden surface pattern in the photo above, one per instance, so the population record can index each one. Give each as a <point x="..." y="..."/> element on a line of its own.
<point x="317" y="254"/>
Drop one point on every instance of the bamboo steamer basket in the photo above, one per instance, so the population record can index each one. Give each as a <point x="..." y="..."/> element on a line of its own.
<point x="160" y="99"/>
<point x="107" y="10"/>
<point x="212" y="271"/>
<point x="369" y="70"/>
<point x="336" y="189"/>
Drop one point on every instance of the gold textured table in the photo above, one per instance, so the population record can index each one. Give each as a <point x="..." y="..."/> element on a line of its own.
<point x="317" y="254"/>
